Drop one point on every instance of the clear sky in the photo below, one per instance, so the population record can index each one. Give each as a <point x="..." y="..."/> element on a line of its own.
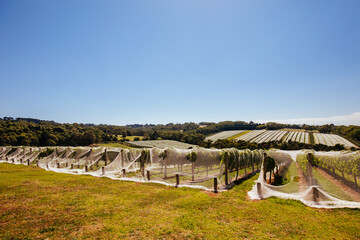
<point x="123" y="62"/>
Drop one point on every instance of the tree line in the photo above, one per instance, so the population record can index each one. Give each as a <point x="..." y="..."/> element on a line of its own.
<point x="35" y="132"/>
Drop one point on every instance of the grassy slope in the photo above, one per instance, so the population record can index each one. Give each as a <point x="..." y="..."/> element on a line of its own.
<point x="39" y="204"/>
<point x="112" y="144"/>
<point x="238" y="135"/>
<point x="130" y="138"/>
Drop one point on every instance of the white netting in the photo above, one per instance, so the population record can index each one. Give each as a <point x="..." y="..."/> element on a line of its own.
<point x="19" y="155"/>
<point x="209" y="169"/>
<point x="318" y="179"/>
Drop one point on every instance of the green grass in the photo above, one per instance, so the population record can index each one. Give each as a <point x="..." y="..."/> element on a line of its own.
<point x="329" y="187"/>
<point x="113" y="144"/>
<point x="348" y="177"/>
<point x="130" y="138"/>
<point x="39" y="204"/>
<point x="291" y="176"/>
<point x="311" y="138"/>
<point x="238" y="135"/>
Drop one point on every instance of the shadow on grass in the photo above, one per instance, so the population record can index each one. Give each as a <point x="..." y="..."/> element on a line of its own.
<point x="345" y="181"/>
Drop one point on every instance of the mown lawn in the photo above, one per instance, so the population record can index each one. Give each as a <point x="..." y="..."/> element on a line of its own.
<point x="35" y="203"/>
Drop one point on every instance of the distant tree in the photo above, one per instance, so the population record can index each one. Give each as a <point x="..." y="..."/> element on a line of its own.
<point x="124" y="133"/>
<point x="355" y="134"/>
<point x="89" y="137"/>
<point x="146" y="137"/>
<point x="23" y="140"/>
<point x="154" y="135"/>
<point x="328" y="128"/>
<point x="128" y="133"/>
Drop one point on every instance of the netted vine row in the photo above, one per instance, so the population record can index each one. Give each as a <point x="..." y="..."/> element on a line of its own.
<point x="345" y="164"/>
<point x="191" y="167"/>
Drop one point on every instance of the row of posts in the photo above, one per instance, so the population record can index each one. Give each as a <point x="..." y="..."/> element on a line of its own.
<point x="178" y="182"/>
<point x="21" y="160"/>
<point x="148" y="176"/>
<point x="237" y="169"/>
<point x="147" y="173"/>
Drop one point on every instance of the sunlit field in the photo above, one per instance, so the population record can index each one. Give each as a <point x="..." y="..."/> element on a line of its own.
<point x="39" y="204"/>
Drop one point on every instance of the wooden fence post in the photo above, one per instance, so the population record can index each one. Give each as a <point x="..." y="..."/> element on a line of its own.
<point x="315" y="194"/>
<point x="355" y="179"/>
<point x="28" y="162"/>
<point x="86" y="168"/>
<point x="258" y="187"/>
<point x="226" y="171"/>
<point x="103" y="170"/>
<point x="192" y="171"/>
<point x="177" y="180"/>
<point x="252" y="165"/>
<point x="215" y="185"/>
<point x="106" y="157"/>
<point x="124" y="172"/>
<point x="237" y="171"/>
<point x="122" y="158"/>
<point x="148" y="175"/>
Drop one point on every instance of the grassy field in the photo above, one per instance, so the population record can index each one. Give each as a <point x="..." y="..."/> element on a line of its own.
<point x="130" y="138"/>
<point x="40" y="204"/>
<point x="112" y="144"/>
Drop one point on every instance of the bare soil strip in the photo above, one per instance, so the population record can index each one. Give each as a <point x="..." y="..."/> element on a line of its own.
<point x="302" y="183"/>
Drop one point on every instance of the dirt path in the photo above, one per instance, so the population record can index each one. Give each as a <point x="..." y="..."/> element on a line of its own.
<point x="352" y="193"/>
<point x="302" y="183"/>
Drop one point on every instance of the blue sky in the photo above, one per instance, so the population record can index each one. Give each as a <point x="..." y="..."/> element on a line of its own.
<point x="122" y="62"/>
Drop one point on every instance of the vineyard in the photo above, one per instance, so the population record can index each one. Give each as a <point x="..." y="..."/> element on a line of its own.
<point x="332" y="140"/>
<point x="318" y="179"/>
<point x="208" y="169"/>
<point x="299" y="175"/>
<point x="223" y="135"/>
<point x="346" y="166"/>
<point x="161" y="144"/>
<point x="262" y="136"/>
